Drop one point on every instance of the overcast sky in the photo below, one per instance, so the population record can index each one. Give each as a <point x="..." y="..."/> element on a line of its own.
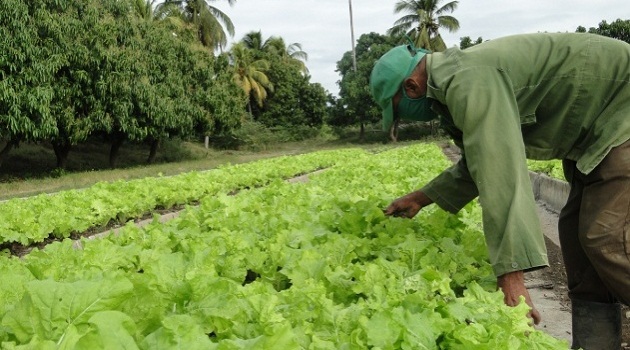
<point x="323" y="26"/>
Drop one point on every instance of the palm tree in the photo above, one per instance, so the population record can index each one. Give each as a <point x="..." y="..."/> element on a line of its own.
<point x="291" y="54"/>
<point x="143" y="9"/>
<point x="254" y="41"/>
<point x="211" y="22"/>
<point x="148" y="10"/>
<point x="423" y="20"/>
<point x="249" y="74"/>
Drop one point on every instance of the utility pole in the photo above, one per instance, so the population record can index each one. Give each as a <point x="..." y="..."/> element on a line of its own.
<point x="354" y="60"/>
<point x="354" y="54"/>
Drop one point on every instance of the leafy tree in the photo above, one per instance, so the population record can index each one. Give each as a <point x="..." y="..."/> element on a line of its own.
<point x="27" y="70"/>
<point x="175" y="91"/>
<point x="619" y="29"/>
<point x="359" y="107"/>
<point x="89" y="35"/>
<point x="158" y="99"/>
<point x="61" y="41"/>
<point x="467" y="42"/>
<point x="336" y="112"/>
<point x="294" y="101"/>
<point x="312" y="101"/>
<point x="77" y="68"/>
<point x="224" y="99"/>
<point x="422" y="21"/>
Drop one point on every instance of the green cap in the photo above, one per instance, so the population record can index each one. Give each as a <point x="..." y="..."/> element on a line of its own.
<point x="388" y="74"/>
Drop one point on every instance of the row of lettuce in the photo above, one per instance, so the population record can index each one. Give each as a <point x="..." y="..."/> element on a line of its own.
<point x="58" y="215"/>
<point x="551" y="168"/>
<point x="312" y="265"/>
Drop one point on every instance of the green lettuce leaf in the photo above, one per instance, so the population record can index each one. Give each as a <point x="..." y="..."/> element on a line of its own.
<point x="51" y="310"/>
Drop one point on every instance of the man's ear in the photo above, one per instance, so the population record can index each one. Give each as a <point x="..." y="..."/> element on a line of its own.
<point x="412" y="87"/>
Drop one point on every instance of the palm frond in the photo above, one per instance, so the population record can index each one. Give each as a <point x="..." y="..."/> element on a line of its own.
<point x="223" y="18"/>
<point x="450" y="7"/>
<point x="449" y="22"/>
<point x="422" y="20"/>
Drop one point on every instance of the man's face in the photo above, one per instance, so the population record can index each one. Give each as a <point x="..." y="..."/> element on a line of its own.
<point x="415" y="85"/>
<point x="410" y="101"/>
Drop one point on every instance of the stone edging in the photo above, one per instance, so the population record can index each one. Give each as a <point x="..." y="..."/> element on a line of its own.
<point x="552" y="192"/>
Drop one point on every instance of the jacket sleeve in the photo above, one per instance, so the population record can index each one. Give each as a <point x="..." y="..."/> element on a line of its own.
<point x="484" y="108"/>
<point x="453" y="188"/>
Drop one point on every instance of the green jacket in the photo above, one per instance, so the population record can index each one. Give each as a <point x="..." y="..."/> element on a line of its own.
<point x="538" y="96"/>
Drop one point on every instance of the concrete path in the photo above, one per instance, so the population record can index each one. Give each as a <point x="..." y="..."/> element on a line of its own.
<point x="549" y="296"/>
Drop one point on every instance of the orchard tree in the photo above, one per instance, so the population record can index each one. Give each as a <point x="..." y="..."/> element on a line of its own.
<point x="222" y="97"/>
<point x="295" y="101"/>
<point x="72" y="69"/>
<point x="88" y="35"/>
<point x="156" y="89"/>
<point x="27" y="70"/>
<point x="173" y="91"/>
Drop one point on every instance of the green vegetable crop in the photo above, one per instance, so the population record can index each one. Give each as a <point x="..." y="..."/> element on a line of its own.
<point x="60" y="214"/>
<point x="552" y="168"/>
<point x="311" y="265"/>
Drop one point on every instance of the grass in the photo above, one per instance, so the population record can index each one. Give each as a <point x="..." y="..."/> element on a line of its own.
<point x="30" y="169"/>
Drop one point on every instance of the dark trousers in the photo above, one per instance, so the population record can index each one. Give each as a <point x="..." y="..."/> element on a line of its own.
<point x="594" y="228"/>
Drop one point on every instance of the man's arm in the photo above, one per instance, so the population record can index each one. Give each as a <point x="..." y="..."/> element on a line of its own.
<point x="512" y="284"/>
<point x="484" y="108"/>
<point x="453" y="188"/>
<point x="409" y="205"/>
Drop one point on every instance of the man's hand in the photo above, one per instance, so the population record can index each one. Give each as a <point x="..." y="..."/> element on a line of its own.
<point x="513" y="286"/>
<point x="409" y="205"/>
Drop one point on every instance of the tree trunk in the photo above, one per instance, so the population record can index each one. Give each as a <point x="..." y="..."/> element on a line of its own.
<point x="206" y="141"/>
<point x="434" y="128"/>
<point x="362" y="132"/>
<point x="155" y="144"/>
<point x="6" y="149"/>
<point x="393" y="132"/>
<point x="62" y="149"/>
<point x="4" y="154"/>
<point x="113" y="152"/>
